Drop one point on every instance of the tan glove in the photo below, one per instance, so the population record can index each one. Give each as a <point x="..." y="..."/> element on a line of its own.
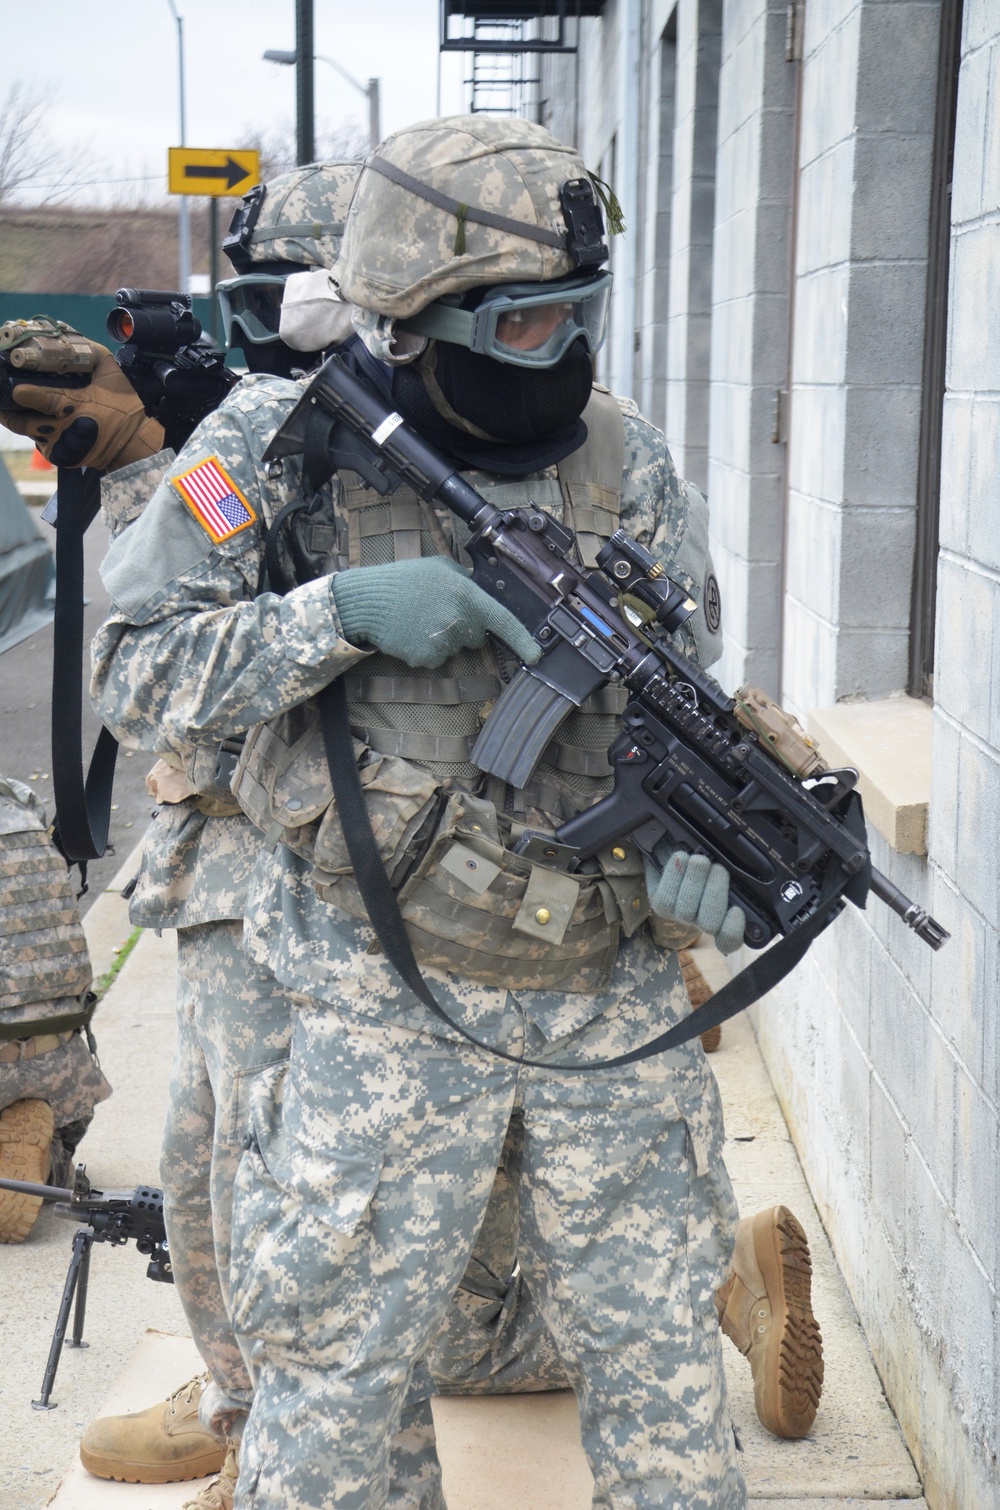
<point x="102" y="425"/>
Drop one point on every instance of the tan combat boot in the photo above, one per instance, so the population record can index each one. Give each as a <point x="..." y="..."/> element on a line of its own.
<point x="26" y="1129"/>
<point x="220" y="1493"/>
<point x="765" y="1309"/>
<point x="699" y="991"/>
<point x="165" y="1444"/>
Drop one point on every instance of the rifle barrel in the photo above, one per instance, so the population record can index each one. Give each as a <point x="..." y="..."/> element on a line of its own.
<point x="29" y="1187"/>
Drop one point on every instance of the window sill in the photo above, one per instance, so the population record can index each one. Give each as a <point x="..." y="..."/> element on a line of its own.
<point x="889" y="743"/>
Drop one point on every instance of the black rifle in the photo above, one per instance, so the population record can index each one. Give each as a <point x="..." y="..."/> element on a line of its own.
<point x="108" y="1216"/>
<point x="690" y="766"/>
<point x="177" y="373"/>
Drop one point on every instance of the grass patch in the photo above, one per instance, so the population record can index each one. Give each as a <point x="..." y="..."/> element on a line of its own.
<point x="107" y="980"/>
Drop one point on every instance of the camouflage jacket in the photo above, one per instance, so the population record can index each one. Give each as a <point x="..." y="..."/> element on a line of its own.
<point x="197" y="854"/>
<point x="190" y="653"/>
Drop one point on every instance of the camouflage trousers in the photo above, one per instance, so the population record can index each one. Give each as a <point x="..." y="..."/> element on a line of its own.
<point x="369" y="1167"/>
<point x="233" y="1022"/>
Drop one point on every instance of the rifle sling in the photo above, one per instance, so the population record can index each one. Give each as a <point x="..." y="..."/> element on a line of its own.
<point x="764" y="973"/>
<point x="82" y="810"/>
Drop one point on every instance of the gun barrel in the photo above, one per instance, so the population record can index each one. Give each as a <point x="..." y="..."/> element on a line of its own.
<point x="923" y="925"/>
<point x="29" y="1187"/>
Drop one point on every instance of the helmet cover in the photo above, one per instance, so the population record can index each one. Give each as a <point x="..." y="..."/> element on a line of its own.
<point x="465" y="201"/>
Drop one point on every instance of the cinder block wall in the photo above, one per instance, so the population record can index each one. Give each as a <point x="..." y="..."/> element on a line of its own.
<point x="750" y="335"/>
<point x="885" y="1055"/>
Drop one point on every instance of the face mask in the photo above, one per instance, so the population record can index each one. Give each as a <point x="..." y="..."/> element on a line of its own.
<point x="516" y="405"/>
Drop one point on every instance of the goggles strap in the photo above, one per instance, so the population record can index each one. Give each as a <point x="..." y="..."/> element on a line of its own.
<point x="463" y="212"/>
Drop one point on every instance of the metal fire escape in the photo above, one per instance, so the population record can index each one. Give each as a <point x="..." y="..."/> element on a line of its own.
<point x="502" y="36"/>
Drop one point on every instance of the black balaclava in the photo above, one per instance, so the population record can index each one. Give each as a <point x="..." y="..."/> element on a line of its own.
<point x="530" y="417"/>
<point x="277" y="359"/>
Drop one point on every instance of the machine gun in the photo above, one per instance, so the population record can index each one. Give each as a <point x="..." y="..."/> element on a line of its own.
<point x="108" y="1216"/>
<point x="177" y="373"/>
<point x="43" y="351"/>
<point x="735" y="780"/>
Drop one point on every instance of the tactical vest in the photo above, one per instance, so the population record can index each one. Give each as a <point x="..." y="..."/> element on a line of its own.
<point x="444" y="829"/>
<point x="45" y="972"/>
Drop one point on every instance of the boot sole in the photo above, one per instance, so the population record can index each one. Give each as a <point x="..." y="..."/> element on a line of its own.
<point x="26" y="1130"/>
<point x="153" y="1473"/>
<point x="787" y="1389"/>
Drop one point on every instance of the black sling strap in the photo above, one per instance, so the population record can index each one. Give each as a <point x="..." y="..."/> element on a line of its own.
<point x="765" y="972"/>
<point x="82" y="810"/>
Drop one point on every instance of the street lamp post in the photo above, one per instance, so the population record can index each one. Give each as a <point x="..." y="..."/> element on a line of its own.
<point x="369" y="90"/>
<point x="183" y="222"/>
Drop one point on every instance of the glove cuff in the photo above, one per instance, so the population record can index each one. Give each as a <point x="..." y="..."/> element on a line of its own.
<point x="146" y="441"/>
<point x="364" y="599"/>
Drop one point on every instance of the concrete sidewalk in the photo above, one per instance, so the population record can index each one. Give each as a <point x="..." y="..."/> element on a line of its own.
<point x="520" y="1453"/>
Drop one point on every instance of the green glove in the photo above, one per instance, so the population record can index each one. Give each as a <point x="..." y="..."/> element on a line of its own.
<point x="691" y="889"/>
<point x="422" y="611"/>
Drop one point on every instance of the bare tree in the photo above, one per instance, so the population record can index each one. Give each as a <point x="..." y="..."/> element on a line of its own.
<point x="26" y="154"/>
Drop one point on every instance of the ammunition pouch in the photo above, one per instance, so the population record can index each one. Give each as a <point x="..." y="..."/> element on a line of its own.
<point x="282" y="783"/>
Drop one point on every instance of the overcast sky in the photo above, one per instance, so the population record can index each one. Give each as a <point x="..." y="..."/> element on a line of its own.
<point x="109" y="68"/>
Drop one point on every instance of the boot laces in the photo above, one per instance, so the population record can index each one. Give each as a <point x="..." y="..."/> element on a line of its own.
<point x="187" y="1392"/>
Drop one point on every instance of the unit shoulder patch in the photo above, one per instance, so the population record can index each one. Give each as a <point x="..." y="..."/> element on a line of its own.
<point x="214" y="499"/>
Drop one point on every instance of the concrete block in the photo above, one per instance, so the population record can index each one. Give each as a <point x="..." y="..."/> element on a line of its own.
<point x="733" y="257"/>
<point x="979" y="26"/>
<point x="776" y="128"/>
<point x="813" y="555"/>
<point x="971" y="138"/>
<point x="978" y="822"/>
<point x="983" y="499"/>
<point x="826" y="189"/>
<point x="991" y="1025"/>
<point x="977" y="1148"/>
<point x="967" y="604"/>
<point x="729" y="422"/>
<point x="771" y="250"/>
<point x="927" y="1216"/>
<point x="889" y="743"/>
<point x="891" y="198"/>
<point x="821" y="326"/>
<point x="973" y="351"/>
<point x="880" y="464"/>
<point x="872" y="663"/>
<point x="767" y="457"/>
<point x="912" y="874"/>
<point x="885" y="338"/>
<point x="876" y="567"/>
<point x="913" y="1063"/>
<point x="817" y="441"/>
<point x="955" y="508"/>
<point x="942" y="826"/>
<point x="897" y="67"/>
<point x="888" y="1170"/>
<point x="770" y="341"/>
<point x="968" y="1340"/>
<point x="810" y="659"/>
<point x="829" y="84"/>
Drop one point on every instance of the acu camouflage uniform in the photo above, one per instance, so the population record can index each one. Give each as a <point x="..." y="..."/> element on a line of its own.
<point x="233" y="1018"/>
<point x="372" y="1156"/>
<point x="45" y="976"/>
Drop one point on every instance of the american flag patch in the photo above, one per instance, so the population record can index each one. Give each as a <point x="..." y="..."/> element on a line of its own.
<point x="214" y="499"/>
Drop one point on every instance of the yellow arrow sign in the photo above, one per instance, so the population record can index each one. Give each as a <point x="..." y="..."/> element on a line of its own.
<point x="207" y="170"/>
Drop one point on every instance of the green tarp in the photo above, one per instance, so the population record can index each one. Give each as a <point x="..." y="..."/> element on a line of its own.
<point x="27" y="569"/>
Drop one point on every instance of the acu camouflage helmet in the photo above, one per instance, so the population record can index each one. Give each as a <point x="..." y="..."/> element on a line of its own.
<point x="297" y="217"/>
<point x="466" y="201"/>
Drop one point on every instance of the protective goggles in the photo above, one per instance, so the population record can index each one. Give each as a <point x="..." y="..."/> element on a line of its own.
<point x="529" y="324"/>
<point x="253" y="303"/>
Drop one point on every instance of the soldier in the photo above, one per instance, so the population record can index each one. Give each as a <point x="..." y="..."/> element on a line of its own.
<point x="372" y="1156"/>
<point x="50" y="1080"/>
<point x="233" y="1020"/>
